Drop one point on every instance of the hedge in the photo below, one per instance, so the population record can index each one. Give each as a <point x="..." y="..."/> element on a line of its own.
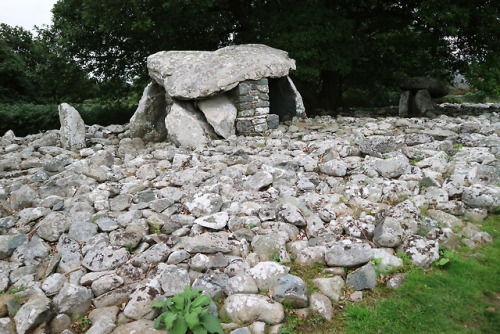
<point x="27" y="118"/>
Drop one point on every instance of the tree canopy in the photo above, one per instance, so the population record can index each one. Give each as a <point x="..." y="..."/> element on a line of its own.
<point x="340" y="46"/>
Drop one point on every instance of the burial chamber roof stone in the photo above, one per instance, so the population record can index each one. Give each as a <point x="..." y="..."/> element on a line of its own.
<point x="192" y="75"/>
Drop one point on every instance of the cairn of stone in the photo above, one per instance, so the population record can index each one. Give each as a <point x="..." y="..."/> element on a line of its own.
<point x="242" y="89"/>
<point x="417" y="96"/>
<point x="102" y="232"/>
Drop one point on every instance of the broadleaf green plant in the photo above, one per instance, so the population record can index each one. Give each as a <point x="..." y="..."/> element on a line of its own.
<point x="187" y="310"/>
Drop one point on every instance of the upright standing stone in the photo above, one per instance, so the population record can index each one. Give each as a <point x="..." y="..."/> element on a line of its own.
<point x="148" y="121"/>
<point x="72" y="127"/>
<point x="186" y="126"/>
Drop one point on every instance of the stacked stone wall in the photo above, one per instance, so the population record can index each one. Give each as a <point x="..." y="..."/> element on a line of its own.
<point x="251" y="98"/>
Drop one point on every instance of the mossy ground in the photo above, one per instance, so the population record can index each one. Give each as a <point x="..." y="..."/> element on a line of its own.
<point x="461" y="297"/>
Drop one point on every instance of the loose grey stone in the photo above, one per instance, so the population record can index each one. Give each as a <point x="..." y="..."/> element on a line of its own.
<point x="392" y="167"/>
<point x="363" y="278"/>
<point x="209" y="243"/>
<point x="106" y="283"/>
<point x="6" y="326"/>
<point x="333" y="168"/>
<point x="258" y="181"/>
<point x="290" y="290"/>
<point x="105" y="258"/>
<point x="212" y="283"/>
<point x="141" y="300"/>
<point x="34" y="312"/>
<point x="422" y="252"/>
<point x="154" y="255"/>
<point x="241" y="284"/>
<point x="265" y="273"/>
<point x="396" y="280"/>
<point x="103" y="325"/>
<point x="200" y="262"/>
<point x="142" y="326"/>
<point x="389" y="233"/>
<point x="386" y="261"/>
<point x="310" y="255"/>
<point x="348" y="255"/>
<point x="125" y="239"/>
<point x="173" y="279"/>
<point x="330" y="287"/>
<point x="243" y="308"/>
<point x="267" y="246"/>
<point x="52" y="226"/>
<point x="9" y="243"/>
<point x="204" y="204"/>
<point x="107" y="224"/>
<point x="32" y="253"/>
<point x="479" y="196"/>
<point x="60" y="323"/>
<point x="73" y="299"/>
<point x="321" y="304"/>
<point x="216" y="221"/>
<point x="120" y="202"/>
<point x="52" y="284"/>
<point x="178" y="256"/>
<point x="82" y="232"/>
<point x="22" y="198"/>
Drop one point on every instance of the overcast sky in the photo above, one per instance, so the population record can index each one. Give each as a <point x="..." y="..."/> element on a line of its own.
<point x="26" y="13"/>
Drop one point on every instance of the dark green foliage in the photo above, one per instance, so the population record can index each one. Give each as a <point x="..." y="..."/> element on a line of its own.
<point x="28" y="118"/>
<point x="363" y="47"/>
<point x="187" y="310"/>
<point x="354" y="50"/>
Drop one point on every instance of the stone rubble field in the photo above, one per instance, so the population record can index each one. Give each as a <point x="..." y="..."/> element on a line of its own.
<point x="116" y="225"/>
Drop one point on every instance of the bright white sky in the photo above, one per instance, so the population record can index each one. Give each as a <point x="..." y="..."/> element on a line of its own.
<point x="26" y="13"/>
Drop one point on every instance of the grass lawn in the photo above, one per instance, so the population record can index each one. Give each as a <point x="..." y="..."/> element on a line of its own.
<point x="461" y="297"/>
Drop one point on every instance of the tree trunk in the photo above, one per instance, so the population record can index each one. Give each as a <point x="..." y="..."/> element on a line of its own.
<point x="331" y="91"/>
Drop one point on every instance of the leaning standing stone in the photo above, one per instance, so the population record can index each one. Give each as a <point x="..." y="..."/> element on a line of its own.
<point x="72" y="127"/>
<point x="148" y="121"/>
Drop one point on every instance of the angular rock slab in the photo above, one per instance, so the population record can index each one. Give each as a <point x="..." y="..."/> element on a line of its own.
<point x="348" y="255"/>
<point x="209" y="243"/>
<point x="244" y="308"/>
<point x="290" y="290"/>
<point x="33" y="313"/>
<point x="266" y="273"/>
<point x="186" y="126"/>
<point x="148" y="121"/>
<point x="479" y="196"/>
<point x="422" y="252"/>
<point x="72" y="127"/>
<point x="105" y="258"/>
<point x="217" y="221"/>
<point x="189" y="75"/>
<point x="221" y="114"/>
<point x="434" y="86"/>
<point x="363" y="278"/>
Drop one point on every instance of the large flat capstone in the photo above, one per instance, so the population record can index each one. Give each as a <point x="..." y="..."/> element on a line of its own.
<point x="192" y="75"/>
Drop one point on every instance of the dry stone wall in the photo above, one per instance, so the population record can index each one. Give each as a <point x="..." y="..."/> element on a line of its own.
<point x="251" y="98"/>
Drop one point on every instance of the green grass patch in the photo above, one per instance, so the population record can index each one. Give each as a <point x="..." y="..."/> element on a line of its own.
<point x="308" y="273"/>
<point x="463" y="297"/>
